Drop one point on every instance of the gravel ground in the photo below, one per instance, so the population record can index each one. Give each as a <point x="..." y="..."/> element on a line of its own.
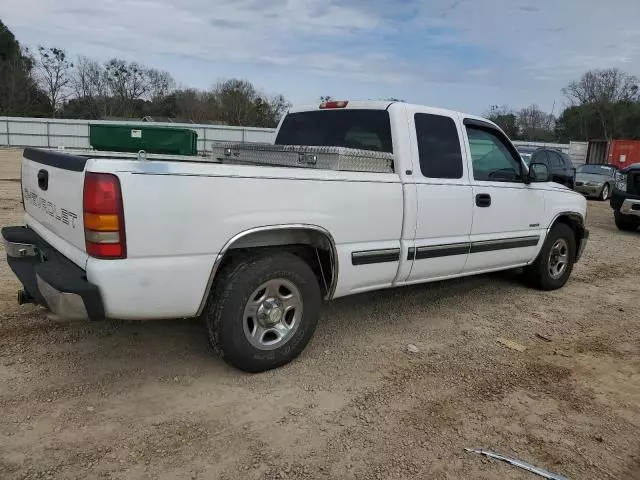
<point x="149" y="400"/>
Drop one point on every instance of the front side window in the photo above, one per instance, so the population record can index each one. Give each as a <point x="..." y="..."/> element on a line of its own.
<point x="493" y="160"/>
<point x="438" y="146"/>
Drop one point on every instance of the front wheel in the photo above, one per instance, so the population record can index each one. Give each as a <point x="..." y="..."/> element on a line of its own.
<point x="554" y="264"/>
<point x="606" y="190"/>
<point x="263" y="311"/>
<point x="626" y="223"/>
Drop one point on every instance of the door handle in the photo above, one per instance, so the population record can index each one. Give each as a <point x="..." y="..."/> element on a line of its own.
<point x="43" y="179"/>
<point x="483" y="200"/>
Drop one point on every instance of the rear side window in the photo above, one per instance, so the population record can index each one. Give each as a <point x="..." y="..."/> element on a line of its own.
<point x="540" y="156"/>
<point x="363" y="129"/>
<point x="438" y="146"/>
<point x="567" y="160"/>
<point x="556" y="160"/>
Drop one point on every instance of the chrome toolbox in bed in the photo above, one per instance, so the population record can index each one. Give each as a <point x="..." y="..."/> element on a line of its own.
<point x="323" y="158"/>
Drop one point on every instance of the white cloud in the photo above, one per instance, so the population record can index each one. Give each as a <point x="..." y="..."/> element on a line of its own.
<point x="519" y="51"/>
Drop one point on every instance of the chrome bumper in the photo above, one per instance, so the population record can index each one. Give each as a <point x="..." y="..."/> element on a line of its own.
<point x="630" y="207"/>
<point x="49" y="277"/>
<point x="63" y="304"/>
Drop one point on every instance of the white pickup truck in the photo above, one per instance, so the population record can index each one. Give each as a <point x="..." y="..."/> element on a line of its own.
<point x="254" y="247"/>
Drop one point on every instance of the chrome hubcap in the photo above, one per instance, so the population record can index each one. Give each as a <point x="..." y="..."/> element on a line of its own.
<point x="605" y="192"/>
<point x="558" y="258"/>
<point x="272" y="314"/>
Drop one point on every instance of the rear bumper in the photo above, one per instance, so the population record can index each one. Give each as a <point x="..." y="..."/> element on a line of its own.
<point x="50" y="278"/>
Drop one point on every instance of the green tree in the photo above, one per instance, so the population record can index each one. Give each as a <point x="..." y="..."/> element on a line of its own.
<point x="608" y="95"/>
<point x="506" y="119"/>
<point x="19" y="93"/>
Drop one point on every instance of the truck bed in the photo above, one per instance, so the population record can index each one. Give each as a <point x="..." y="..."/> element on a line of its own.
<point x="263" y="154"/>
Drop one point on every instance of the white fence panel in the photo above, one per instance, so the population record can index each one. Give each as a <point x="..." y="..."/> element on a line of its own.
<point x="69" y="129"/>
<point x="28" y="140"/>
<point x="563" y="147"/>
<point x="578" y="152"/>
<point x="69" y="142"/>
<point x="28" y="128"/>
<point x="45" y="132"/>
<point x="4" y="138"/>
<point x="260" y="136"/>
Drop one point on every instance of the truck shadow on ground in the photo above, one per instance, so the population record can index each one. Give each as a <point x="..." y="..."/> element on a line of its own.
<point x="181" y="347"/>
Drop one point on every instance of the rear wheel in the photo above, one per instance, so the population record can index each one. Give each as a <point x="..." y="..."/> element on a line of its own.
<point x="606" y="190"/>
<point x="263" y="311"/>
<point x="626" y="223"/>
<point x="554" y="264"/>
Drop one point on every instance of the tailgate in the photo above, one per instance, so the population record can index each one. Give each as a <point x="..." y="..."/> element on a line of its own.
<point x="52" y="186"/>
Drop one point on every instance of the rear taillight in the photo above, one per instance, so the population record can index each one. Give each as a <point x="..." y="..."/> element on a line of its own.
<point x="103" y="216"/>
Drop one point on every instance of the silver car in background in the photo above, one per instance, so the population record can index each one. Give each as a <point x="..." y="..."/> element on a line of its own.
<point x="595" y="180"/>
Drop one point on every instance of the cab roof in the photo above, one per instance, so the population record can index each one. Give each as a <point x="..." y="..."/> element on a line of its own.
<point x="384" y="105"/>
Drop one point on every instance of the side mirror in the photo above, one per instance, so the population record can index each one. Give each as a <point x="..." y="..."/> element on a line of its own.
<point x="539" y="172"/>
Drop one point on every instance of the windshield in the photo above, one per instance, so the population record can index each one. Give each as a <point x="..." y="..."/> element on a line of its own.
<point x="363" y="129"/>
<point x="597" y="170"/>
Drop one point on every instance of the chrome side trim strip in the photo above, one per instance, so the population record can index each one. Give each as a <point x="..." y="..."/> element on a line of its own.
<point x="435" y="251"/>
<point x="504" y="244"/>
<point x="367" y="257"/>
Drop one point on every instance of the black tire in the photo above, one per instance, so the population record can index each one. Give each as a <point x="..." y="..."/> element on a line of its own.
<point x="605" y="192"/>
<point x="626" y="223"/>
<point x="538" y="274"/>
<point x="224" y="312"/>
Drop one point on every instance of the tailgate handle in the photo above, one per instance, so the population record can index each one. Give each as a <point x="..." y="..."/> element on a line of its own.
<point x="43" y="179"/>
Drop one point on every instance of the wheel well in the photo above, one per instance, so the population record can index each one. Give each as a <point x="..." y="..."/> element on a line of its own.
<point x="575" y="223"/>
<point x="315" y="247"/>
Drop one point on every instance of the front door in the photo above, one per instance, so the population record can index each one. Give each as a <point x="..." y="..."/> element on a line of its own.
<point x="443" y="191"/>
<point x="508" y="214"/>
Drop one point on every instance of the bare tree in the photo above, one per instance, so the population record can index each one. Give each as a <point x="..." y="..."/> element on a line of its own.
<point x="160" y="83"/>
<point x="235" y="100"/>
<point x="90" y="87"/>
<point x="603" y="86"/>
<point x="535" y="124"/>
<point x="54" y="70"/>
<point x="238" y="102"/>
<point x="603" y="89"/>
<point x="127" y="82"/>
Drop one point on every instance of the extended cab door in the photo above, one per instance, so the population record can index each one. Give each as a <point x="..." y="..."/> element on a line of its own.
<point x="508" y="215"/>
<point x="443" y="191"/>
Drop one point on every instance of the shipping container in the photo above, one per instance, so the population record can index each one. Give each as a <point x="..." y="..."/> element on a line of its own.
<point x="620" y="153"/>
<point x="151" y="139"/>
<point x="624" y="153"/>
<point x="597" y="152"/>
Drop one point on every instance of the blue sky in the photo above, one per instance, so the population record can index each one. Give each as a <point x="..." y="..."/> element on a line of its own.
<point x="460" y="54"/>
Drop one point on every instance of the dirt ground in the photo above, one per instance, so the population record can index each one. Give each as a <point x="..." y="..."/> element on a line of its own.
<point x="149" y="400"/>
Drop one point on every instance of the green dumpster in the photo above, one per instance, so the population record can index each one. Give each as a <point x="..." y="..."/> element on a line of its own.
<point x="151" y="139"/>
